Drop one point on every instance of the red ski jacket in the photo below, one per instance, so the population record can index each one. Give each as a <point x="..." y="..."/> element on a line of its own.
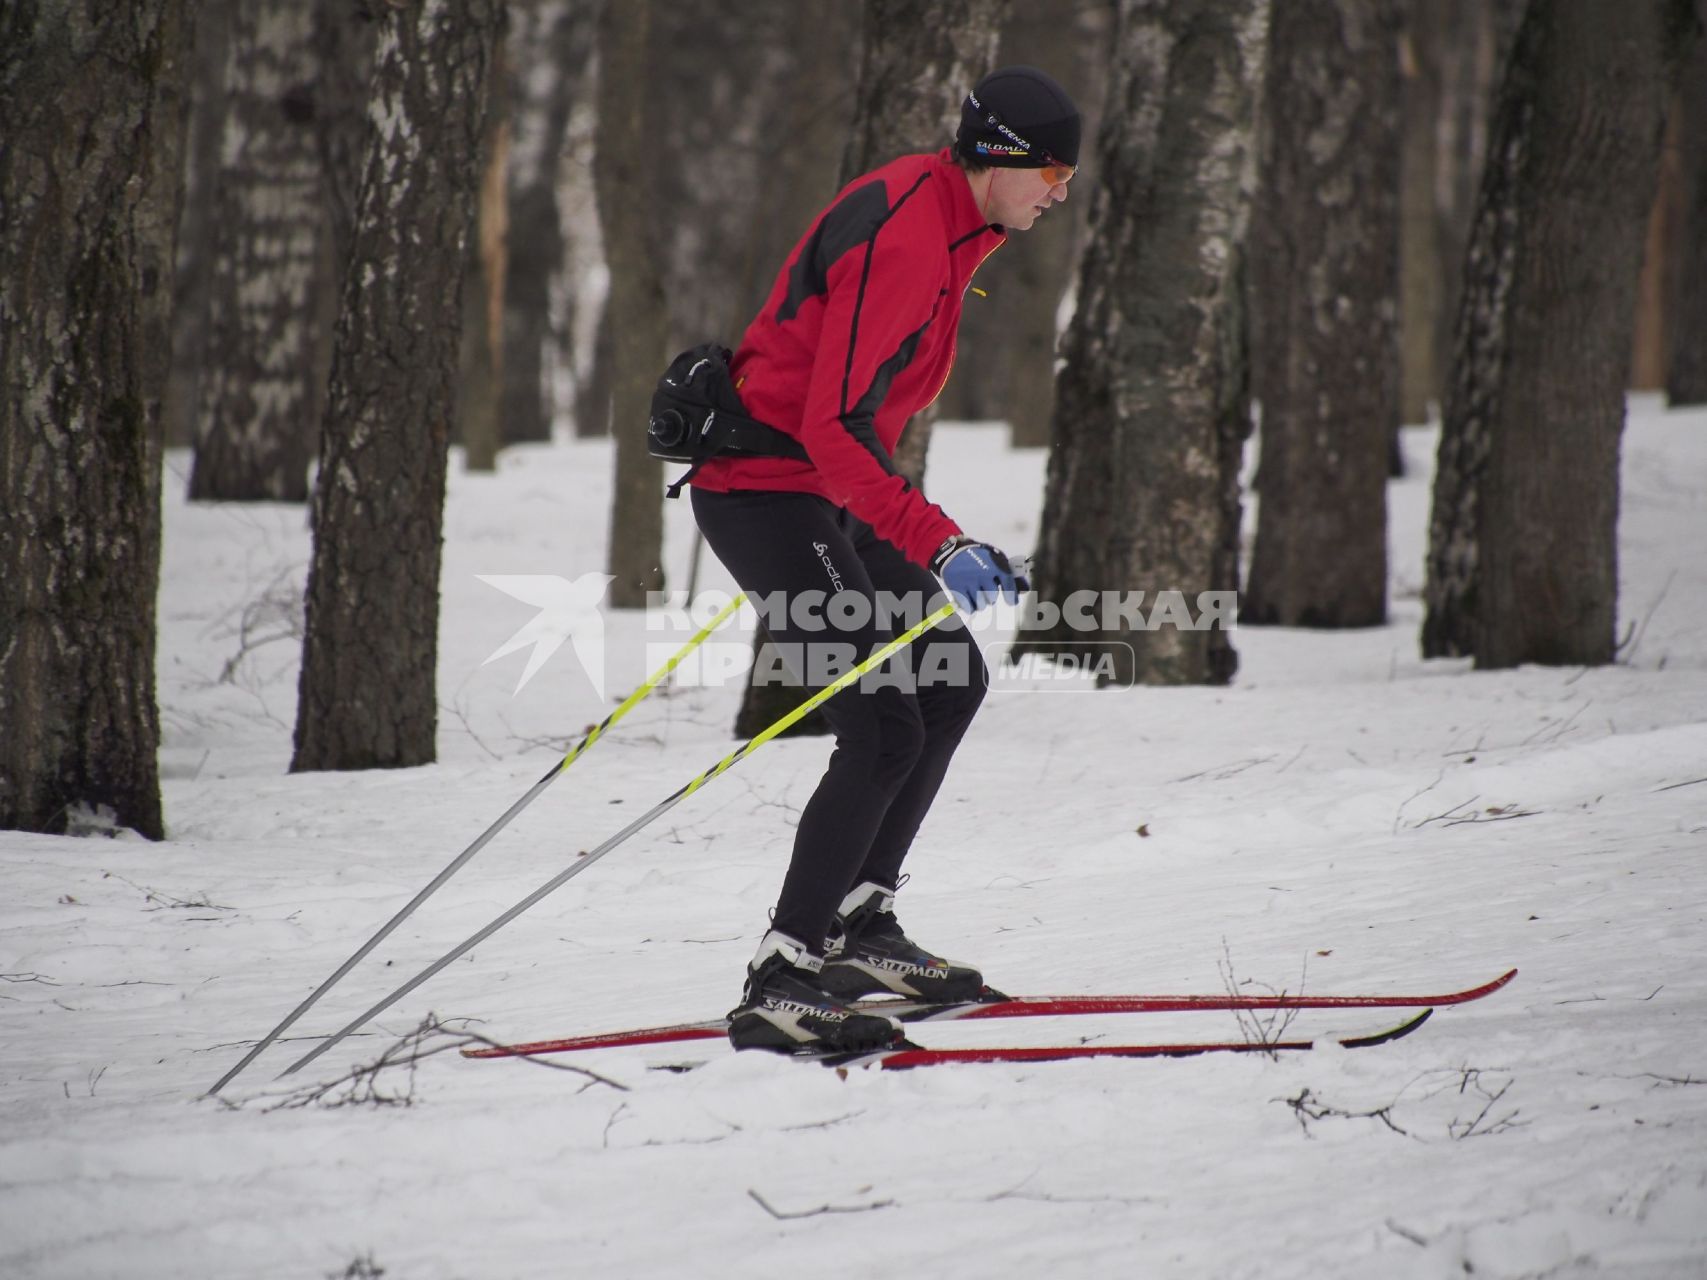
<point x="856" y="337"/>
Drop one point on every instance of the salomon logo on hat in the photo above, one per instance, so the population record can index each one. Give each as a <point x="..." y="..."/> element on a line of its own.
<point x="1019" y="118"/>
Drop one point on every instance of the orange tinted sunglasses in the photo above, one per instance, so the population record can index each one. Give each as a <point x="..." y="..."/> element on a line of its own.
<point x="1056" y="173"/>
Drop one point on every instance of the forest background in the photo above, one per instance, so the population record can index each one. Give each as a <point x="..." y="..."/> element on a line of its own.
<point x="332" y="239"/>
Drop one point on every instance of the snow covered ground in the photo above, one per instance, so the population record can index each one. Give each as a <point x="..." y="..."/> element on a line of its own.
<point x="1309" y="825"/>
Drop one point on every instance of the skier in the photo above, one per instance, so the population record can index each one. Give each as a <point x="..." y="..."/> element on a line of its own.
<point x="856" y="336"/>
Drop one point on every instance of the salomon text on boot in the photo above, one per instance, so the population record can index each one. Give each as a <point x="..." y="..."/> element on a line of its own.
<point x="785" y="1009"/>
<point x="875" y="957"/>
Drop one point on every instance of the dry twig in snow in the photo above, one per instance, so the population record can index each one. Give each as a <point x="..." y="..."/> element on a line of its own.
<point x="782" y="1215"/>
<point x="364" y="1085"/>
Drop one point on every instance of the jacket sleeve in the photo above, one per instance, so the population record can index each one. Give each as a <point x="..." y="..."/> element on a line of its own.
<point x="882" y="295"/>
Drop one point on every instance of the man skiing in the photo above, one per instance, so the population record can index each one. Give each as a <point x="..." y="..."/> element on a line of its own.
<point x="856" y="336"/>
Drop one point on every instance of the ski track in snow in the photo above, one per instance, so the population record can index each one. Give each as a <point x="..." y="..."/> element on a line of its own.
<point x="1301" y="828"/>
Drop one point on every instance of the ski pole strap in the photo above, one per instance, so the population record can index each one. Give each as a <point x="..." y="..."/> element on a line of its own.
<point x="456" y="864"/>
<point x="877" y="659"/>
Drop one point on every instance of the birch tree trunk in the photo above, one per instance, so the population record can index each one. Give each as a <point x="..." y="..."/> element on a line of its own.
<point x="1325" y="263"/>
<point x="549" y="49"/>
<point x="1423" y="44"/>
<point x="1151" y="408"/>
<point x="1522" y="562"/>
<point x="479" y="399"/>
<point x="346" y="40"/>
<point x="1451" y="53"/>
<point x="1686" y="376"/>
<point x="206" y="79"/>
<point x="257" y="377"/>
<point x="593" y="392"/>
<point x="367" y="692"/>
<point x="1479" y="37"/>
<point x="628" y="221"/>
<point x="95" y="101"/>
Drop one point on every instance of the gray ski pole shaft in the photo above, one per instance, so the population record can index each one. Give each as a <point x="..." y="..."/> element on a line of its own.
<point x="728" y="762"/>
<point x="481" y="841"/>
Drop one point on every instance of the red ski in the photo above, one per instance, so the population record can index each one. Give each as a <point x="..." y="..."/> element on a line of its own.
<point x="1010" y="1007"/>
<point x="917" y="1056"/>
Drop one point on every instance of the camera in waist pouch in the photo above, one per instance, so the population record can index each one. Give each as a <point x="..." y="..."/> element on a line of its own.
<point x="697" y="415"/>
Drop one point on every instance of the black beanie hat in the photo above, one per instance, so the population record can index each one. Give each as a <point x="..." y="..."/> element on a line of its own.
<point x="1017" y="118"/>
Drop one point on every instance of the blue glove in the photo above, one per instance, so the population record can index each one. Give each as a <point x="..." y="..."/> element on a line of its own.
<point x="975" y="573"/>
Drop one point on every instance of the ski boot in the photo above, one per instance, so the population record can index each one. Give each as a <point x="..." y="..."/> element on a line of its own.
<point x="785" y="1009"/>
<point x="874" y="957"/>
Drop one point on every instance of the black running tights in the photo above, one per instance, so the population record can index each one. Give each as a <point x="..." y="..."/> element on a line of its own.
<point x="893" y="742"/>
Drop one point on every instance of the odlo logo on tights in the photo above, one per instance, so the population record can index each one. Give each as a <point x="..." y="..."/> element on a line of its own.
<point x="823" y="551"/>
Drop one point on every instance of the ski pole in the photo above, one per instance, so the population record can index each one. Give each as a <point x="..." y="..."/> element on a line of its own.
<point x="580" y="748"/>
<point x="728" y="762"/>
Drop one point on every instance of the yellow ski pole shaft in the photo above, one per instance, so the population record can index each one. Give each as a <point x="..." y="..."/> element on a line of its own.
<point x="723" y="766"/>
<point x="456" y="864"/>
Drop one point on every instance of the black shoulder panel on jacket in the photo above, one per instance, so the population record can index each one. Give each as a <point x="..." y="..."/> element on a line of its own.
<point x="852" y="221"/>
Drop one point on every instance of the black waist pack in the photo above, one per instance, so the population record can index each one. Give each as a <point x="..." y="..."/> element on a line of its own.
<point x="697" y="415"/>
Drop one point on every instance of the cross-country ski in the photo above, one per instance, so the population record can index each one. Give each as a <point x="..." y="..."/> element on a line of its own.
<point x="999" y="1006"/>
<point x="905" y="1054"/>
<point x="913" y="1055"/>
